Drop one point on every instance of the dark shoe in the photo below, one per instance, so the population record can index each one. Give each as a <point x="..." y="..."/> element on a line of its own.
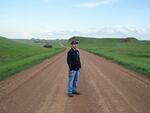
<point x="76" y="93"/>
<point x="70" y="95"/>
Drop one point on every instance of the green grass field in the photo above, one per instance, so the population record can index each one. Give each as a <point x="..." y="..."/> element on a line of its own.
<point x="131" y="53"/>
<point x="15" y="56"/>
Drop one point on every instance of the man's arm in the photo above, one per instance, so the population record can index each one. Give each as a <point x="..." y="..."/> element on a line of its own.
<point x="69" y="60"/>
<point x="79" y="61"/>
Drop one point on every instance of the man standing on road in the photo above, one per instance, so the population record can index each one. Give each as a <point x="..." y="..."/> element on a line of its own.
<point x="73" y="61"/>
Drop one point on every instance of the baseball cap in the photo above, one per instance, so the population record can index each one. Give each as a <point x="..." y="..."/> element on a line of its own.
<point x="74" y="42"/>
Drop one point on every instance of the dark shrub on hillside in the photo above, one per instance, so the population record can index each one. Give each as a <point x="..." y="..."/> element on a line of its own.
<point x="48" y="46"/>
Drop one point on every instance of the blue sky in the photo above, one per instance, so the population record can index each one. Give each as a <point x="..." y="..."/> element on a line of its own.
<point x="53" y="19"/>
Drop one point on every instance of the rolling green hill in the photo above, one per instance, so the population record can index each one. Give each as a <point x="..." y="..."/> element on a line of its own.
<point x="130" y="52"/>
<point x="15" y="56"/>
<point x="40" y="42"/>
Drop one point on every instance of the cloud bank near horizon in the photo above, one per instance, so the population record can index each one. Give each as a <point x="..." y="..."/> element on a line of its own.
<point x="106" y="32"/>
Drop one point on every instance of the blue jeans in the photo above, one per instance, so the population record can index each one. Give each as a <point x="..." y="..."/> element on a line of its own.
<point x="72" y="82"/>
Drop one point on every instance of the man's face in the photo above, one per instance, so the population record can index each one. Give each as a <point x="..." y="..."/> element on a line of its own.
<point x="74" y="46"/>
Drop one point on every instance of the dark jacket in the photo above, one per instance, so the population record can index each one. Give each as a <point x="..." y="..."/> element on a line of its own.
<point x="73" y="59"/>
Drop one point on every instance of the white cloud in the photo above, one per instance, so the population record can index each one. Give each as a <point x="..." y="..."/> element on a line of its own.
<point x="95" y="3"/>
<point x="26" y="34"/>
<point x="122" y="31"/>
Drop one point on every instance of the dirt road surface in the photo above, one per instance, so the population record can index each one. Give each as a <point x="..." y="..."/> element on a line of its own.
<point x="105" y="87"/>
